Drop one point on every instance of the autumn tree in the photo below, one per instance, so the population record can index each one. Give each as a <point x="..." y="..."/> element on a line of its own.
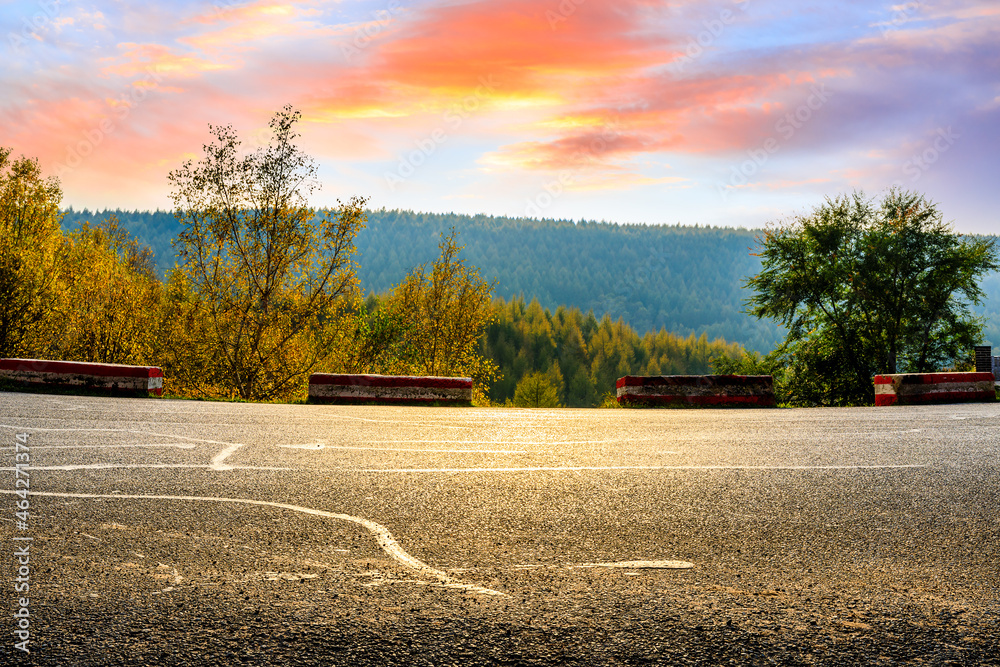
<point x="30" y="243"/>
<point x="446" y="310"/>
<point x="265" y="276"/>
<point x="867" y="287"/>
<point x="109" y="297"/>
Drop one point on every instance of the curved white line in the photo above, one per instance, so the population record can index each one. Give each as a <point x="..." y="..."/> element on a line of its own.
<point x="382" y="535"/>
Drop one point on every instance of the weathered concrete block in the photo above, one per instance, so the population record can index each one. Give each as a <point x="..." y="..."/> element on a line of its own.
<point x="697" y="390"/>
<point x="922" y="388"/>
<point x="390" y="389"/>
<point x="113" y="379"/>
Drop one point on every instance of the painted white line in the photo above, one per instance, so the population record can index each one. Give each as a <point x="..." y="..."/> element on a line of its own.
<point x="642" y="565"/>
<point x="382" y="535"/>
<point x="177" y="445"/>
<point x="108" y="466"/>
<point x="137" y="466"/>
<point x="390" y="421"/>
<point x="116" y="430"/>
<point x="157" y="422"/>
<point x="318" y="445"/>
<point x="223" y="455"/>
<point x="512" y="442"/>
<point x="575" y="468"/>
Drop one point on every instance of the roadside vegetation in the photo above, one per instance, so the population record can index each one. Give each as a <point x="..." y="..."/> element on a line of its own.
<point x="265" y="290"/>
<point x="866" y="287"/>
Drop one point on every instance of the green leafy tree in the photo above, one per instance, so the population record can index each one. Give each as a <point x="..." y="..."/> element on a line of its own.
<point x="536" y="390"/>
<point x="867" y="287"/>
<point x="270" y="275"/>
<point x="30" y="251"/>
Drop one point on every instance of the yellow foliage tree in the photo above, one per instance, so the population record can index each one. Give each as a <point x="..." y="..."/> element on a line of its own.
<point x="109" y="297"/>
<point x="448" y="309"/>
<point x="266" y="278"/>
<point x="29" y="253"/>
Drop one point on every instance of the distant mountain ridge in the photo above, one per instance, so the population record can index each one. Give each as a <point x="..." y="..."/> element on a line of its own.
<point x="682" y="279"/>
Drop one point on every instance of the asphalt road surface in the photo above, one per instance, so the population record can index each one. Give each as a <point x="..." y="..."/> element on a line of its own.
<point x="175" y="532"/>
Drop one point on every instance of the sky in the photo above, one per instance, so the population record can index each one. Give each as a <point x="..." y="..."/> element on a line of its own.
<point x="728" y="113"/>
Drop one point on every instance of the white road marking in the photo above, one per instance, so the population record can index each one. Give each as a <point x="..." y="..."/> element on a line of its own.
<point x="137" y="466"/>
<point x="318" y="445"/>
<point x="215" y="464"/>
<point x="223" y="455"/>
<point x="574" y="468"/>
<point x="512" y="442"/>
<point x="391" y="421"/>
<point x="108" y="466"/>
<point x="382" y="535"/>
<point x="178" y="445"/>
<point x="642" y="564"/>
<point x="117" y="430"/>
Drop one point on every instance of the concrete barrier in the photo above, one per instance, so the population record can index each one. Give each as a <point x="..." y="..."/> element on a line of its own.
<point x="697" y="390"/>
<point x="112" y="379"/>
<point x="922" y="388"/>
<point x="389" y="389"/>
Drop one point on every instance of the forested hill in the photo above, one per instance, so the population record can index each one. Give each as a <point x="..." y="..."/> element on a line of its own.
<point x="682" y="279"/>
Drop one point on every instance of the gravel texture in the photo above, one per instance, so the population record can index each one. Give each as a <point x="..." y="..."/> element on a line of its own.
<point x="806" y="550"/>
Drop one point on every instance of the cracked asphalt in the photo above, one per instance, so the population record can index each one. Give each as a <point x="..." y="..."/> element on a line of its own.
<point x="176" y="532"/>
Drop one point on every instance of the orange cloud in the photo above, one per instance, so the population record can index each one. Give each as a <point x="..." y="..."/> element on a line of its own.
<point x="145" y="58"/>
<point x="446" y="53"/>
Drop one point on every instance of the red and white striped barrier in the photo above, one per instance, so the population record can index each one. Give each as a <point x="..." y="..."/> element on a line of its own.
<point x="918" y="388"/>
<point x="697" y="390"/>
<point x="113" y="379"/>
<point x="391" y="389"/>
